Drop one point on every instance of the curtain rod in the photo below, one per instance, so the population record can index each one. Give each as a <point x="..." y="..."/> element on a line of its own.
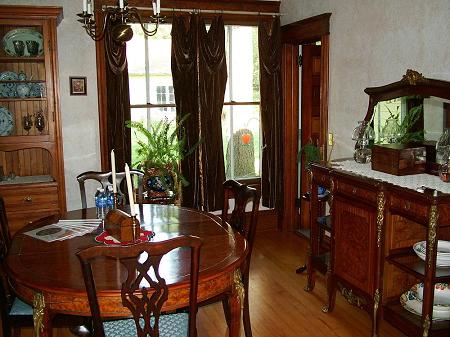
<point x="212" y="11"/>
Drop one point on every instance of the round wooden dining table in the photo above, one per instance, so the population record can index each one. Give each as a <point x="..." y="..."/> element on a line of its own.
<point x="48" y="274"/>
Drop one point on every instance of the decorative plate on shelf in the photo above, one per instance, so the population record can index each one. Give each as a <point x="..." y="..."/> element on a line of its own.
<point x="441" y="293"/>
<point x="8" y="89"/>
<point x="24" y="35"/>
<point x="6" y="122"/>
<point x="411" y="303"/>
<point x="443" y="252"/>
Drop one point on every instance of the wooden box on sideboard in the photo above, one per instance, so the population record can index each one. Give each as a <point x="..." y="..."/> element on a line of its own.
<point x="399" y="159"/>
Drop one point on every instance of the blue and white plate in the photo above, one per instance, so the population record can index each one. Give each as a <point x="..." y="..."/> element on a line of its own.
<point x="410" y="302"/>
<point x="8" y="89"/>
<point x="22" y="34"/>
<point x="37" y="90"/>
<point x="6" y="122"/>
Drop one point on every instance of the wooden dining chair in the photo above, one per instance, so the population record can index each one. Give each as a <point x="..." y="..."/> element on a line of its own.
<point x="245" y="224"/>
<point x="142" y="262"/>
<point x="14" y="313"/>
<point x="105" y="178"/>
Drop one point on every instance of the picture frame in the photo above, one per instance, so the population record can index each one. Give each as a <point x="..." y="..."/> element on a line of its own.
<point x="78" y="85"/>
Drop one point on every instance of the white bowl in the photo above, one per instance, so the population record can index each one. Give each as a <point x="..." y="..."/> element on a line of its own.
<point x="441" y="293"/>
<point x="443" y="252"/>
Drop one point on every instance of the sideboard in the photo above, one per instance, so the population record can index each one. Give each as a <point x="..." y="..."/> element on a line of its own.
<point x="376" y="219"/>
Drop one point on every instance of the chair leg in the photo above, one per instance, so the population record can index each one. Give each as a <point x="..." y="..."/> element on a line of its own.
<point x="246" y="313"/>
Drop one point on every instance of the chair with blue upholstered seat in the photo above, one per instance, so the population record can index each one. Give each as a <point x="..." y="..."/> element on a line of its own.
<point x="14" y="313"/>
<point x="105" y="178"/>
<point x="144" y="303"/>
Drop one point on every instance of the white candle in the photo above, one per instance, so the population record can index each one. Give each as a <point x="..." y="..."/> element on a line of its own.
<point x="89" y="8"/>
<point x="121" y="4"/>
<point x="154" y="7"/>
<point x="84" y="6"/>
<point x="130" y="189"/>
<point x="113" y="171"/>
<point x="158" y="6"/>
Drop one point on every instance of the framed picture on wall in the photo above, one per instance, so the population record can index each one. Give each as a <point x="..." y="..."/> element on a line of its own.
<point x="78" y="85"/>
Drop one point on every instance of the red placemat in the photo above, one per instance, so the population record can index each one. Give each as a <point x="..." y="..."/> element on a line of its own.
<point x="107" y="239"/>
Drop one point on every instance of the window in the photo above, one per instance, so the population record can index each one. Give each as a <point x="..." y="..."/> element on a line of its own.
<point x="152" y="95"/>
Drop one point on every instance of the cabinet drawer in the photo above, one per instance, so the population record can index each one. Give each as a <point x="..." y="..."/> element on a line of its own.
<point x="17" y="221"/>
<point x="349" y="189"/>
<point x="408" y="208"/>
<point x="23" y="200"/>
<point x="321" y="178"/>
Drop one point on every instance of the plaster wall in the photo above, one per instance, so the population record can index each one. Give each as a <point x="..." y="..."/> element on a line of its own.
<point x="79" y="114"/>
<point x="373" y="43"/>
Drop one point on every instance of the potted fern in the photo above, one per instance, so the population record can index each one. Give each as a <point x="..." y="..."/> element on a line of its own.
<point x="160" y="149"/>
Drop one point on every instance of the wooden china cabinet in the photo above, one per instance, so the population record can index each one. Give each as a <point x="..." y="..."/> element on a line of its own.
<point x="31" y="156"/>
<point x="377" y="218"/>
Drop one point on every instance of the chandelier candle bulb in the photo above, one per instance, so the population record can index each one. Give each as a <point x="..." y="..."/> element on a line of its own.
<point x="130" y="190"/>
<point x="89" y="8"/>
<point x="113" y="171"/>
<point x="121" y="4"/>
<point x="84" y="6"/>
<point x="154" y="7"/>
<point x="158" y="7"/>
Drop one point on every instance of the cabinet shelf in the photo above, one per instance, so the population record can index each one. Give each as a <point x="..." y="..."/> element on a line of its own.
<point x="8" y="99"/>
<point x="409" y="262"/>
<point x="411" y="324"/>
<point x="13" y="59"/>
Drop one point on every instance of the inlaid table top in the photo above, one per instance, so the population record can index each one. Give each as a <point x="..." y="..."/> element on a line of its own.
<point x="49" y="273"/>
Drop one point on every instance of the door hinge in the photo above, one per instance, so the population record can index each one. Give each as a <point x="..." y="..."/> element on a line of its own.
<point x="300" y="60"/>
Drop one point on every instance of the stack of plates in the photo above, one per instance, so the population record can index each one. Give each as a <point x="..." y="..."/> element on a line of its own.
<point x="412" y="301"/>
<point x="443" y="252"/>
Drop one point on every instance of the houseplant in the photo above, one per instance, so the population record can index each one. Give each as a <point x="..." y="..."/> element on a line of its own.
<point x="160" y="150"/>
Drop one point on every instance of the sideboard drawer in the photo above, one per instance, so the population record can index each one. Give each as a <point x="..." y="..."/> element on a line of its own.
<point x="22" y="200"/>
<point x="352" y="190"/>
<point x="408" y="208"/>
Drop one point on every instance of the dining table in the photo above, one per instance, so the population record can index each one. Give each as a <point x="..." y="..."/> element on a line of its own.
<point x="48" y="274"/>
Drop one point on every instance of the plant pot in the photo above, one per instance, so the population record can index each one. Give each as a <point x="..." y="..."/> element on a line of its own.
<point x="159" y="183"/>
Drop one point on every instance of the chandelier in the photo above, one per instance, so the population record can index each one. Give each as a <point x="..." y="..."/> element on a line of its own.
<point x="119" y="18"/>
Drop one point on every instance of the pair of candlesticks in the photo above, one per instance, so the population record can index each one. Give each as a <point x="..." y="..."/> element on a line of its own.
<point x="39" y="121"/>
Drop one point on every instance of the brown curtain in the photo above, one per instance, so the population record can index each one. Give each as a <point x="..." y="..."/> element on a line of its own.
<point x="118" y="100"/>
<point x="269" y="39"/>
<point x="199" y="75"/>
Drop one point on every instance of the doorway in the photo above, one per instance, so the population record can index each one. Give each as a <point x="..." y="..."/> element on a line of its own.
<point x="311" y="89"/>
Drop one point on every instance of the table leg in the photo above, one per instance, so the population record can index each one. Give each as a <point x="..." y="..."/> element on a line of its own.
<point x="41" y="317"/>
<point x="235" y="304"/>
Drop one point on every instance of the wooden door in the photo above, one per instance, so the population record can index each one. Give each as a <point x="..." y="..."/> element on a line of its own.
<point x="310" y="117"/>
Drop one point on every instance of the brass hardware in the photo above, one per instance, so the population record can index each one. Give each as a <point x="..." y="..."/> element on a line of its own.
<point x="413" y="77"/>
<point x="325" y="309"/>
<point x="376" y="302"/>
<point x="239" y="287"/>
<point x="354" y="191"/>
<point x="434" y="215"/>
<point x="38" y="313"/>
<point x="28" y="199"/>
<point x="407" y="206"/>
<point x="352" y="298"/>
<point x="426" y="325"/>
<point x="380" y="216"/>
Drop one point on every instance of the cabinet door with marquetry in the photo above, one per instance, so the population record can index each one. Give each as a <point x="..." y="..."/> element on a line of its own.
<point x="31" y="158"/>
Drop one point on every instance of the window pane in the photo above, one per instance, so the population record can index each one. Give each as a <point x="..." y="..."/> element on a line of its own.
<point x="241" y="139"/>
<point x="243" y="64"/>
<point x="149" y="64"/>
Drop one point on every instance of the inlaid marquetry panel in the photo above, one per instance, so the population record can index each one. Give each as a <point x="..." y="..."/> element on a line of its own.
<point x="401" y="232"/>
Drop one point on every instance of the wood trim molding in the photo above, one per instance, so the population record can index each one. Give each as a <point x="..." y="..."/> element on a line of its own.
<point x="307" y="30"/>
<point x="38" y="12"/>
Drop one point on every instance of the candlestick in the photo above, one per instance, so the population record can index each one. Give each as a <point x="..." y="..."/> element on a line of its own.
<point x="130" y="189"/>
<point x="113" y="171"/>
<point x="154" y="7"/>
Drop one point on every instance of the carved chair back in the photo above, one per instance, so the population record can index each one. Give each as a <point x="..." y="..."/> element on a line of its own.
<point x="142" y="262"/>
<point x="238" y="219"/>
<point x="105" y="178"/>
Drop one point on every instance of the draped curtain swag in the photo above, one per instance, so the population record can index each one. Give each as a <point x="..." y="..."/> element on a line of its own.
<point x="269" y="40"/>
<point x="199" y="74"/>
<point x="118" y="100"/>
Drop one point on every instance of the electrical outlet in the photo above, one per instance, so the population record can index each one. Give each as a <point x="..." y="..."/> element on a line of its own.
<point x="330" y="138"/>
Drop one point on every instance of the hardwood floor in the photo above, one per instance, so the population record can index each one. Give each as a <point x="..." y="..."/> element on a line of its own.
<point x="279" y="306"/>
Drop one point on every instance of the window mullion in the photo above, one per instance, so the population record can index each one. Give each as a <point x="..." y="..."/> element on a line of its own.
<point x="230" y="88"/>
<point x="147" y="78"/>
